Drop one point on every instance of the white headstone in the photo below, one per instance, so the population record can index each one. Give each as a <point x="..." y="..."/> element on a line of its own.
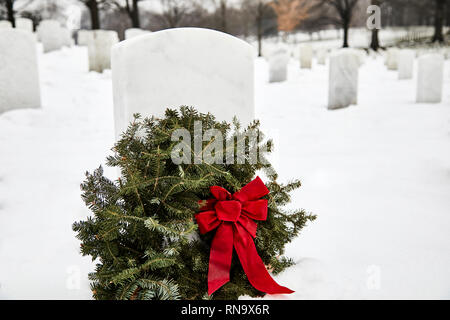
<point x="306" y="54"/>
<point x="49" y="33"/>
<point x="83" y="37"/>
<point x="134" y="32"/>
<point x="430" y="78"/>
<point x="24" y="24"/>
<point x="392" y="59"/>
<point x="343" y="79"/>
<point x="321" y="56"/>
<point x="66" y="37"/>
<point x="278" y="63"/>
<point x="5" y="24"/>
<point x="206" y="69"/>
<point x="100" y="43"/>
<point x="406" y="63"/>
<point x="19" y="80"/>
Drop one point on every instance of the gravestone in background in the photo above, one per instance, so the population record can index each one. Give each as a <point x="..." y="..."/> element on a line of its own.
<point x="100" y="43"/>
<point x="206" y="69"/>
<point x="406" y="63"/>
<point x="134" y="32"/>
<point x="49" y="34"/>
<point x="19" y="80"/>
<point x="5" y="24"/>
<point x="392" y="59"/>
<point x="278" y="64"/>
<point x="430" y="78"/>
<point x="321" y="56"/>
<point x="24" y="24"/>
<point x="306" y="54"/>
<point x="343" y="79"/>
<point x="66" y="37"/>
<point x="82" y="37"/>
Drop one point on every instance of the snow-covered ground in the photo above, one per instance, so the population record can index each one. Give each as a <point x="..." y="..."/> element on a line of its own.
<point x="377" y="175"/>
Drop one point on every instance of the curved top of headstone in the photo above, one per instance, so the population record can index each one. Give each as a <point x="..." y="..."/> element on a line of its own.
<point x="203" y="68"/>
<point x="179" y="34"/>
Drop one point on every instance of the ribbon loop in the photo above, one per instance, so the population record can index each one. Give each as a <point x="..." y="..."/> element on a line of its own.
<point x="233" y="216"/>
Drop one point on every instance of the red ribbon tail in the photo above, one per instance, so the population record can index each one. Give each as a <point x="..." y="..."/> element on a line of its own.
<point x="253" y="265"/>
<point x="220" y="257"/>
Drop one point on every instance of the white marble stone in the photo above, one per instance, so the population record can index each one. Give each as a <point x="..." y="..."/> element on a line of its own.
<point x="24" y="24"/>
<point x="343" y="79"/>
<point x="306" y="54"/>
<point x="392" y="59"/>
<point x="206" y="69"/>
<point x="134" y="32"/>
<point x="83" y="37"/>
<point x="430" y="78"/>
<point x="5" y="24"/>
<point x="321" y="56"/>
<point x="406" y="63"/>
<point x="49" y="33"/>
<point x="19" y="80"/>
<point x="100" y="43"/>
<point x="278" y="65"/>
<point x="66" y="37"/>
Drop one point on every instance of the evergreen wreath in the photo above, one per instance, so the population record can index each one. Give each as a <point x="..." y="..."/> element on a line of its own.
<point x="142" y="234"/>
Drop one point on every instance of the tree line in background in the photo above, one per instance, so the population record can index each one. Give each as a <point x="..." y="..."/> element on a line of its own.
<point x="258" y="18"/>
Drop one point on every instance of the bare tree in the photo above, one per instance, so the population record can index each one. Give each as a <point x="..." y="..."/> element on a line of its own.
<point x="9" y="4"/>
<point x="173" y="12"/>
<point x="439" y="20"/>
<point x="131" y="7"/>
<point x="257" y="10"/>
<point x="93" y="7"/>
<point x="344" y="10"/>
<point x="11" y="9"/>
<point x="222" y="10"/>
<point x="290" y="13"/>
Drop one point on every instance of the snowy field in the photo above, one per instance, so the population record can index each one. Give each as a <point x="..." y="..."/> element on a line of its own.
<point x="377" y="175"/>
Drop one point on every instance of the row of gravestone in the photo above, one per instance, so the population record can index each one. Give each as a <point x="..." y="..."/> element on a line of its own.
<point x="49" y="32"/>
<point x="207" y="69"/>
<point x="99" y="44"/>
<point x="430" y="72"/>
<point x="344" y="65"/>
<point x="187" y="66"/>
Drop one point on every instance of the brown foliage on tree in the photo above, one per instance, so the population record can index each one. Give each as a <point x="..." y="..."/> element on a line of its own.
<point x="290" y="13"/>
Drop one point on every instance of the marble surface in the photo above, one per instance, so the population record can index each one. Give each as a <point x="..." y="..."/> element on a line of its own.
<point x="343" y="79"/>
<point x="19" y="80"/>
<point x="406" y="64"/>
<point x="99" y="44"/>
<point x="82" y="37"/>
<point x="206" y="69"/>
<point x="321" y="56"/>
<point x="66" y="37"/>
<point x="49" y="34"/>
<point x="5" y="24"/>
<point x="430" y="78"/>
<point x="24" y="24"/>
<point x="278" y="63"/>
<point x="392" y="58"/>
<point x="306" y="54"/>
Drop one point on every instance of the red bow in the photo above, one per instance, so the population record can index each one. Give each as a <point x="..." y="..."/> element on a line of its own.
<point x="232" y="215"/>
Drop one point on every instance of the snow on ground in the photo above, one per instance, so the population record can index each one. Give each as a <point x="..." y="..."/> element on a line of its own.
<point x="377" y="175"/>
